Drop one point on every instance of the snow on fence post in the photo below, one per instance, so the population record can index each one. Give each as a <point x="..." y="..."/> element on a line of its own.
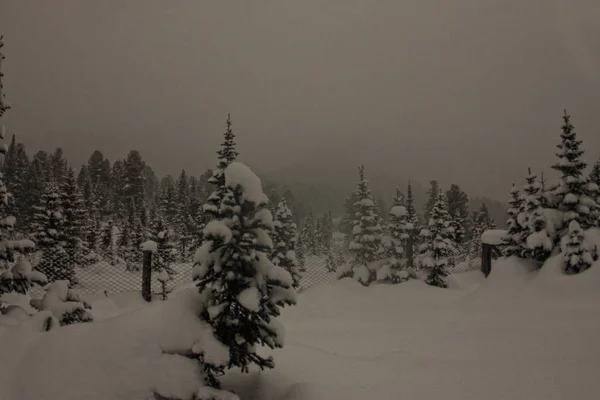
<point x="148" y="248"/>
<point x="490" y="239"/>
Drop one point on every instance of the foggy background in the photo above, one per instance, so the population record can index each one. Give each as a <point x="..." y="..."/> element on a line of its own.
<point x="466" y="91"/>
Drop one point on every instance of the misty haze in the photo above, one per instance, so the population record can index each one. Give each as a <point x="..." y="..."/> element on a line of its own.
<point x="271" y="200"/>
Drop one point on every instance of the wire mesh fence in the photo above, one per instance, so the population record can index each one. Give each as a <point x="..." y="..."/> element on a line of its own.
<point x="107" y="277"/>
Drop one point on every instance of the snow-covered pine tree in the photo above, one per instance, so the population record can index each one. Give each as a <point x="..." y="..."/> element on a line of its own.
<point x="227" y="154"/>
<point x="107" y="242"/>
<point x="437" y="244"/>
<point x="458" y="209"/>
<point x="412" y="225"/>
<point x="181" y="226"/>
<point x="576" y="194"/>
<point x="514" y="241"/>
<point x="134" y="177"/>
<point x="538" y="241"/>
<point x="74" y="219"/>
<point x="244" y="289"/>
<point x="58" y="166"/>
<point x="165" y="247"/>
<point x="308" y="233"/>
<point x="284" y="238"/>
<point x="49" y="233"/>
<point x="92" y="234"/>
<point x="365" y="246"/>
<point x="168" y="203"/>
<point x="395" y="271"/>
<point x="116" y="199"/>
<point x="431" y="199"/>
<point x="130" y="239"/>
<point x="7" y="221"/>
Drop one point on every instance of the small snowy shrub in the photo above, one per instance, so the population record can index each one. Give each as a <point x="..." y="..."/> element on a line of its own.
<point x="64" y="303"/>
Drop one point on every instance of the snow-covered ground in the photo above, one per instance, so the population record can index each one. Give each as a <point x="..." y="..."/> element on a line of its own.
<point x="518" y="335"/>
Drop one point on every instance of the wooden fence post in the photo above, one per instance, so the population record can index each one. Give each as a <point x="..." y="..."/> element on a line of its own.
<point x="147" y="276"/>
<point x="486" y="258"/>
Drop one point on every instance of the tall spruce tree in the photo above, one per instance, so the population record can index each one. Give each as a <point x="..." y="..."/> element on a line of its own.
<point x="412" y="225"/>
<point x="181" y="226"/>
<point x="168" y="203"/>
<point x="117" y="199"/>
<point x="365" y="246"/>
<point x="458" y="209"/>
<point x="244" y="290"/>
<point x="131" y="238"/>
<point x="515" y="241"/>
<point x="7" y="222"/>
<point x="576" y="197"/>
<point x="49" y="235"/>
<point x="194" y="219"/>
<point x="284" y="242"/>
<point x="108" y="242"/>
<point x="437" y="244"/>
<point x="134" y="177"/>
<point x="308" y="233"/>
<point x="431" y="199"/>
<point x="576" y="194"/>
<point x="399" y="238"/>
<point x="75" y="218"/>
<point x="58" y="166"/>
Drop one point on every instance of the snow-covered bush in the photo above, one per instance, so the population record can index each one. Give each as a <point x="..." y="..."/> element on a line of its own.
<point x="283" y="237"/>
<point x="65" y="304"/>
<point x="164" y="278"/>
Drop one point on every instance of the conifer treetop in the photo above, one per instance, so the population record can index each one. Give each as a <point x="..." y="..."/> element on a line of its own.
<point x="569" y="153"/>
<point x="4" y="106"/>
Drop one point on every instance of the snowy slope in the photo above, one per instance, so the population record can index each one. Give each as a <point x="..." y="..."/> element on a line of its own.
<point x="520" y="335"/>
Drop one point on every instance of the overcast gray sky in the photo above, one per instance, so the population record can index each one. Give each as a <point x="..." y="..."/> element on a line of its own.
<point x="466" y="91"/>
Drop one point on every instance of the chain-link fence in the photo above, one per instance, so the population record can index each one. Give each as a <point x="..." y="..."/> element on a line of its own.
<point x="106" y="277"/>
<point x="467" y="257"/>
